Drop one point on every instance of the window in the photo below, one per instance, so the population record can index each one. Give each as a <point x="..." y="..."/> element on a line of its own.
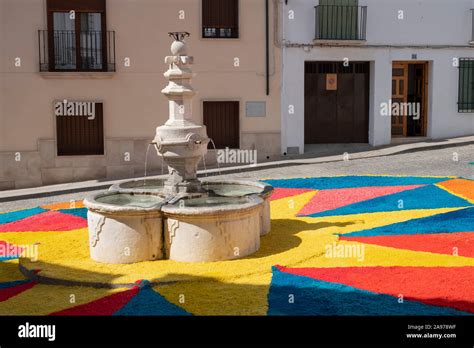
<point x="340" y="20"/>
<point x="77" y="35"/>
<point x="79" y="128"/>
<point x="220" y="19"/>
<point x="221" y="119"/>
<point x="466" y="85"/>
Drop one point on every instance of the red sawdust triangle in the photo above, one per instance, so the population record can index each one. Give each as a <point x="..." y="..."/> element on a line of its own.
<point x="47" y="221"/>
<point x="10" y="292"/>
<point x="460" y="243"/>
<point x="439" y="286"/>
<point x="335" y="198"/>
<point x="281" y="192"/>
<point x="104" y="306"/>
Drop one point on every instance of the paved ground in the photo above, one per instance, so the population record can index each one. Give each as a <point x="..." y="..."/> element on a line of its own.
<point x="441" y="162"/>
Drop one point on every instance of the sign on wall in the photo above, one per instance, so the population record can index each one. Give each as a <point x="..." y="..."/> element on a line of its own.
<point x="255" y="109"/>
<point x="331" y="82"/>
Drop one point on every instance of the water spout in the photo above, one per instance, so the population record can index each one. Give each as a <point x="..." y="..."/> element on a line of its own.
<point x="217" y="157"/>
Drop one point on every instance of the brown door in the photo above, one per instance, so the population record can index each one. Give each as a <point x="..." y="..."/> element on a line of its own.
<point x="410" y="85"/>
<point x="336" y="102"/>
<point x="221" y="119"/>
<point x="399" y="95"/>
<point x="417" y="127"/>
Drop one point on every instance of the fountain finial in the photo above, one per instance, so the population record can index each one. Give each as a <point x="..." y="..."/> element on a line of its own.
<point x="179" y="35"/>
<point x="178" y="47"/>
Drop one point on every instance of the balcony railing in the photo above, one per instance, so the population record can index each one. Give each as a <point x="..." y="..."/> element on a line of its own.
<point x="334" y="22"/>
<point x="68" y="50"/>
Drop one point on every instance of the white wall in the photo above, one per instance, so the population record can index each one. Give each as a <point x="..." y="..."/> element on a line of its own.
<point x="435" y="22"/>
<point x="426" y="22"/>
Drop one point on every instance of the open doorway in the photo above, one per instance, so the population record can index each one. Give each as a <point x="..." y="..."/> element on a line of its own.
<point x="408" y="107"/>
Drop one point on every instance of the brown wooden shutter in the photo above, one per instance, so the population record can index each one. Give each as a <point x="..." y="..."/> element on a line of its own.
<point x="79" y="136"/>
<point x="221" y="14"/>
<point x="222" y="121"/>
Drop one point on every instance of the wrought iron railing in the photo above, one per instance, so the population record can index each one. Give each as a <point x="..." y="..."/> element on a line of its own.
<point x="68" y="50"/>
<point x="338" y="22"/>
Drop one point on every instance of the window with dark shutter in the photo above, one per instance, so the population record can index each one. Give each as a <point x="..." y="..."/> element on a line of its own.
<point x="77" y="36"/>
<point x="221" y="119"/>
<point x="466" y="85"/>
<point x="79" y="128"/>
<point x="220" y="19"/>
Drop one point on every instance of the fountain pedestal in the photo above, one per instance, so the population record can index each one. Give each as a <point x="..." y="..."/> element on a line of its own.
<point x="181" y="142"/>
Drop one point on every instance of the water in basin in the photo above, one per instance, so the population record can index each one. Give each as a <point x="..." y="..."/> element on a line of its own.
<point x="130" y="200"/>
<point x="232" y="190"/>
<point x="205" y="202"/>
<point x="152" y="184"/>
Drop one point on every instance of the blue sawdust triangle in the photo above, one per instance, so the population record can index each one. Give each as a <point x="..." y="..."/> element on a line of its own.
<point x="13" y="283"/>
<point x="150" y="302"/>
<point x="327" y="183"/>
<point x="81" y="212"/>
<point x="21" y="214"/>
<point x="461" y="220"/>
<point x="427" y="197"/>
<point x="317" y="297"/>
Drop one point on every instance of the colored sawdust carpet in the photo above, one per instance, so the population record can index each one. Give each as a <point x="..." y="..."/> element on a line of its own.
<point x="345" y="245"/>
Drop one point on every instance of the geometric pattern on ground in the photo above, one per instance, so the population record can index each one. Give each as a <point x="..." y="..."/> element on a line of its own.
<point x="336" y="264"/>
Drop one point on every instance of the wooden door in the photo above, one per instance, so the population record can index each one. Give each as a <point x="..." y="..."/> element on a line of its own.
<point x="336" y="113"/>
<point x="221" y="119"/>
<point x="399" y="95"/>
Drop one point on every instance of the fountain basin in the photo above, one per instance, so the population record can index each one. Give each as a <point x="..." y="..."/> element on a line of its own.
<point x="212" y="228"/>
<point x="239" y="188"/>
<point x="224" y="188"/>
<point x="125" y="227"/>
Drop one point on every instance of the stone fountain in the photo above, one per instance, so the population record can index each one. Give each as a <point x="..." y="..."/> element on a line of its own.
<point x="181" y="218"/>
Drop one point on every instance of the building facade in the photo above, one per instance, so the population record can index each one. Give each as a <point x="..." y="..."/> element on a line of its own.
<point x="81" y="83"/>
<point x="375" y="71"/>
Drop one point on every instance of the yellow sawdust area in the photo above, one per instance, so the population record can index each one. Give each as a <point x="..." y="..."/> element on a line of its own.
<point x="9" y="271"/>
<point x="47" y="299"/>
<point x="204" y="296"/>
<point x="459" y="187"/>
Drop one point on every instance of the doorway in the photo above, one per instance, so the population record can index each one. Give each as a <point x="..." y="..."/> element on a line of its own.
<point x="336" y="102"/>
<point x="408" y="107"/>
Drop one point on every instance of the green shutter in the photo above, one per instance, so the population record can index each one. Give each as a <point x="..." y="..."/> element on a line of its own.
<point x="466" y="85"/>
<point x="337" y="22"/>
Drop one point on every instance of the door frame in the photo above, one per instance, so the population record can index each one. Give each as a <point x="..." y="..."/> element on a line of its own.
<point x="425" y="95"/>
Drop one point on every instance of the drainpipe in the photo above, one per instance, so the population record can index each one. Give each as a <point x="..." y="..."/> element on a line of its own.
<point x="267" y="51"/>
